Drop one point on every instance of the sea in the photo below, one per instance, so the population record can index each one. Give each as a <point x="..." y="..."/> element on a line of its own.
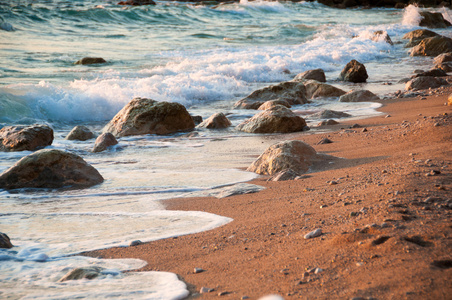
<point x="204" y="56"/>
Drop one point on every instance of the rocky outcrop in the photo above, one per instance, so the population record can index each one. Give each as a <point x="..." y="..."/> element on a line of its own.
<point x="432" y="46"/>
<point x="50" y="169"/>
<point x="5" y="242"/>
<point x="90" y="272"/>
<point x="147" y="116"/>
<point x="315" y="89"/>
<point x="424" y="82"/>
<point x="433" y="20"/>
<point x="359" y="96"/>
<point x="316" y="74"/>
<point x="329" y="114"/>
<point x="272" y="103"/>
<point x="22" y="138"/>
<point x="80" y="133"/>
<point x="288" y="155"/>
<point x="416" y="36"/>
<point x="280" y="119"/>
<point x="90" y="61"/>
<point x="381" y="35"/>
<point x="216" y="121"/>
<point x="354" y="72"/>
<point x="290" y="91"/>
<point x="104" y="141"/>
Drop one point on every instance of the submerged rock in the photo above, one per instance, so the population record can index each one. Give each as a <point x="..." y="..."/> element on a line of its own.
<point x="90" y="272"/>
<point x="216" y="121"/>
<point x="22" y="138"/>
<point x="288" y="155"/>
<point x="279" y="119"/>
<point x="354" y="72"/>
<point x="5" y="242"/>
<point x="90" y="61"/>
<point x="104" y="141"/>
<point x="50" y="168"/>
<point x="316" y="74"/>
<point x="359" y="96"/>
<point x="432" y="46"/>
<point x="290" y="91"/>
<point x="315" y="89"/>
<point x="147" y="116"/>
<point x="416" y="36"/>
<point x="80" y="133"/>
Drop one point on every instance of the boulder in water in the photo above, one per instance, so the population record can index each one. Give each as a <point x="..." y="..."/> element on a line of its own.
<point x="5" y="242"/>
<point x="433" y="20"/>
<point x="277" y="120"/>
<point x="216" y="121"/>
<point x="315" y="89"/>
<point x="433" y="46"/>
<point x="22" y="137"/>
<point x="147" y="116"/>
<point x="80" y="133"/>
<point x="359" y="96"/>
<point x="50" y="168"/>
<point x="104" y="141"/>
<point x="90" y="61"/>
<point x="354" y="72"/>
<point x="329" y="114"/>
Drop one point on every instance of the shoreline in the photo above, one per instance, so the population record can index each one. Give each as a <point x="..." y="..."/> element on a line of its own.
<point x="386" y="223"/>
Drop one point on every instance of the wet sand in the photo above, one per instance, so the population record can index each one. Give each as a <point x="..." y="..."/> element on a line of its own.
<point x="386" y="222"/>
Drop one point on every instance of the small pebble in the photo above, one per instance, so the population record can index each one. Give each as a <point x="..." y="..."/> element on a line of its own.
<point x="313" y="234"/>
<point x="204" y="290"/>
<point x="198" y="270"/>
<point x="135" y="243"/>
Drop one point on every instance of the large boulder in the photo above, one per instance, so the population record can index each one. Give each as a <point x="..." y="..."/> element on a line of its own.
<point x="90" y="61"/>
<point x="315" y="89"/>
<point x="424" y="82"/>
<point x="316" y="74"/>
<point x="432" y="46"/>
<point x="104" y="141"/>
<point x="279" y="119"/>
<point x="290" y="91"/>
<point x="272" y="103"/>
<point x="354" y="72"/>
<point x="288" y="155"/>
<point x="5" y="242"/>
<point x="21" y="138"/>
<point x="80" y="133"/>
<point x="50" y="168"/>
<point x="433" y="20"/>
<point x="216" y="121"/>
<point x="147" y="116"/>
<point x="359" y="96"/>
<point x="416" y="36"/>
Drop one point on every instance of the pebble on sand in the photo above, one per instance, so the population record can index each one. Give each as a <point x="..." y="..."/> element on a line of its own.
<point x="313" y="234"/>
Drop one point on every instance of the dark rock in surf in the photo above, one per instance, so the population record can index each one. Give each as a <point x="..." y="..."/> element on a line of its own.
<point x="91" y="61"/>
<point x="197" y="119"/>
<point x="5" y="242"/>
<point x="359" y="96"/>
<point x="147" y="116"/>
<point x="137" y="2"/>
<point x="316" y="74"/>
<point x="433" y="20"/>
<point x="22" y="137"/>
<point x="80" y="133"/>
<point x="277" y="120"/>
<point x="381" y="35"/>
<point x="433" y="46"/>
<point x="50" y="168"/>
<point x="104" y="141"/>
<point x="354" y="72"/>
<point x="292" y="92"/>
<point x="216" y="121"/>
<point x="416" y="36"/>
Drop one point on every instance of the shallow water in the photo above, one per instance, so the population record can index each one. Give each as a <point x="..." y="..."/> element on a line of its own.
<point x="203" y="56"/>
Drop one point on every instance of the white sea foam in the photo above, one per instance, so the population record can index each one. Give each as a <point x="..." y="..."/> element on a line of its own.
<point x="411" y="16"/>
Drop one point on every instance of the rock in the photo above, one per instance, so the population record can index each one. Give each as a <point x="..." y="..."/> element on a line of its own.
<point x="416" y="36"/>
<point x="381" y="35"/>
<point x="82" y="273"/>
<point x="50" y="168"/>
<point x="329" y="114"/>
<point x="359" y="96"/>
<point x="197" y="119"/>
<point x="449" y="100"/>
<point x="216" y="121"/>
<point x="317" y="89"/>
<point x="91" y="61"/>
<point x="443" y="58"/>
<point x="277" y="120"/>
<point x="432" y="73"/>
<point x="272" y="103"/>
<point x="432" y="46"/>
<point x="25" y="138"/>
<point x="294" y="155"/>
<point x="324" y="141"/>
<point x="354" y="72"/>
<point x="80" y="133"/>
<point x="446" y="67"/>
<point x="316" y="74"/>
<point x="104" y="141"/>
<point x="313" y="234"/>
<point x="328" y="122"/>
<point x="137" y="2"/>
<point x="290" y="91"/>
<point x="285" y="175"/>
<point x="433" y="20"/>
<point x="147" y="116"/>
<point x="424" y="82"/>
<point x="198" y="270"/>
<point x="135" y="243"/>
<point x="5" y="242"/>
<point x="236" y="189"/>
<point x="204" y="290"/>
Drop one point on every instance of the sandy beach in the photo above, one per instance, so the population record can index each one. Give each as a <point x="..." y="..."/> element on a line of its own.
<point x="384" y="208"/>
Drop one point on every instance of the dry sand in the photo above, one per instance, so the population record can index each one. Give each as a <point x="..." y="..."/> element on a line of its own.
<point x="386" y="222"/>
